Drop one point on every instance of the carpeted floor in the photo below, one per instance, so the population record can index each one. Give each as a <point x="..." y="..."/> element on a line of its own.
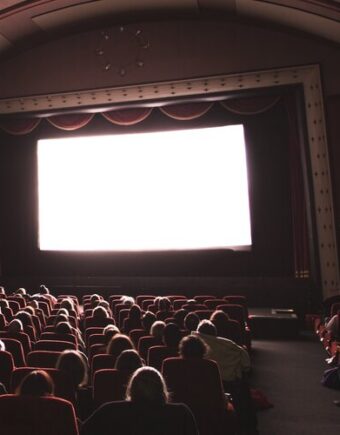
<point x="289" y="374"/>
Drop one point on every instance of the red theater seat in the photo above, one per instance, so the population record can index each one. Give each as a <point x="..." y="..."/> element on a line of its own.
<point x="36" y="416"/>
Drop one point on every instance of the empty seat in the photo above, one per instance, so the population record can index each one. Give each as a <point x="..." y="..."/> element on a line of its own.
<point x="6" y="367"/>
<point x="109" y="385"/>
<point x="56" y="345"/>
<point x="15" y="348"/>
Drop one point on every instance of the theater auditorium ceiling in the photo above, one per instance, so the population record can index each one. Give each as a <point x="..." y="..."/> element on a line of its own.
<point x="24" y="23"/>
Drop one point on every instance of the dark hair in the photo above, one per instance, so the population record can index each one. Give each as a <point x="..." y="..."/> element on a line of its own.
<point x="207" y="327"/>
<point x="44" y="290"/>
<point x="63" y="328"/>
<point x="179" y="316"/>
<point x="219" y="315"/>
<point x="25" y="318"/>
<point x="164" y="304"/>
<point x="135" y="312"/>
<point x="100" y="313"/>
<point x="148" y="320"/>
<point x="191" y="321"/>
<point x="129" y="360"/>
<point x="171" y="335"/>
<point x="192" y="346"/>
<point x="118" y="343"/>
<point x="147" y="385"/>
<point x="74" y="363"/>
<point x="36" y="383"/>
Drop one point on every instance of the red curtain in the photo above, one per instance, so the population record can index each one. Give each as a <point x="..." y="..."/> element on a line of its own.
<point x="187" y="111"/>
<point x="299" y="212"/>
<point x="19" y="126"/>
<point x="250" y="106"/>
<point x="127" y="116"/>
<point x="70" y="122"/>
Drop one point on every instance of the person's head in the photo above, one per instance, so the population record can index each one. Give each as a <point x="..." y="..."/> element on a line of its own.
<point x="63" y="328"/>
<point x="147" y="386"/>
<point x="119" y="343"/>
<point x="171" y="335"/>
<point x="129" y="360"/>
<point x="94" y="298"/>
<point x="192" y="346"/>
<point x="2" y="290"/>
<point x="25" y="318"/>
<point x="179" y="316"/>
<point x="109" y="332"/>
<point x="164" y="304"/>
<point x="74" y="363"/>
<point x="157" y="329"/>
<point x="219" y="316"/>
<point x="127" y="300"/>
<point x="191" y="321"/>
<point x="68" y="304"/>
<point x="33" y="303"/>
<point x="148" y="319"/>
<point x="2" y="346"/>
<point x="100" y="313"/>
<point x="60" y="318"/>
<point x="4" y="303"/>
<point x="135" y="312"/>
<point x="15" y="326"/>
<point x="207" y="327"/>
<point x="20" y="291"/>
<point x="63" y="311"/>
<point x="44" y="290"/>
<point x="37" y="383"/>
<point x="29" y="310"/>
<point x="105" y="305"/>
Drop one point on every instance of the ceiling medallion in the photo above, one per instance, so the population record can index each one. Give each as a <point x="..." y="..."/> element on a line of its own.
<point x="120" y="49"/>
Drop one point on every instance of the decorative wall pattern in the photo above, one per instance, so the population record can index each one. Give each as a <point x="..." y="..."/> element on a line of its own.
<point x="149" y="94"/>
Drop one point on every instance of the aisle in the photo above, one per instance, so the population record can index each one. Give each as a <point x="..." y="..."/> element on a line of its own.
<point x="289" y="373"/>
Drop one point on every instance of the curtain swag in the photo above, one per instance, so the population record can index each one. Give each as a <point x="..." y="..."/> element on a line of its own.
<point x="128" y="117"/>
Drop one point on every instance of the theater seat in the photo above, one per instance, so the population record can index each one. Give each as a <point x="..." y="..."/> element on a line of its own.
<point x="109" y="385"/>
<point x="55" y="345"/>
<point x="63" y="386"/>
<point x="197" y="383"/>
<point x="15" y="348"/>
<point x="6" y="368"/>
<point x="42" y="358"/>
<point x="36" y="416"/>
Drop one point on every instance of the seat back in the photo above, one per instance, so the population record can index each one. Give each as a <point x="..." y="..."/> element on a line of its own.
<point x="42" y="358"/>
<point x="56" y="345"/>
<point x="6" y="367"/>
<point x="157" y="354"/>
<point x="36" y="416"/>
<point x="197" y="383"/>
<point x="15" y="348"/>
<point x="109" y="385"/>
<point x="102" y="361"/>
<point x="63" y="386"/>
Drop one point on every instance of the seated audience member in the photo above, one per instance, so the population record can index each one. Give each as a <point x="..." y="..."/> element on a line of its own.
<point x="2" y="290"/>
<point x="164" y="309"/>
<point x="154" y="339"/>
<point x="105" y="305"/>
<point x="133" y="320"/>
<point x="75" y="364"/>
<point x="148" y="319"/>
<point x="15" y="330"/>
<point x="129" y="361"/>
<point x="192" y="346"/>
<point x="127" y="300"/>
<point x="146" y="411"/>
<point x="27" y="324"/>
<point x="333" y="326"/>
<point x="171" y="335"/>
<point x="118" y="343"/>
<point x="109" y="332"/>
<point x="234" y="364"/>
<point x="191" y="321"/>
<point x="2" y="386"/>
<point x="37" y="383"/>
<point x="43" y="290"/>
<point x="179" y="317"/>
<point x="157" y="330"/>
<point x="227" y="327"/>
<point x="6" y="310"/>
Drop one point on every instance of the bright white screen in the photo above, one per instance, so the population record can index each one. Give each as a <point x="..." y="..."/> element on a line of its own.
<point x="174" y="190"/>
